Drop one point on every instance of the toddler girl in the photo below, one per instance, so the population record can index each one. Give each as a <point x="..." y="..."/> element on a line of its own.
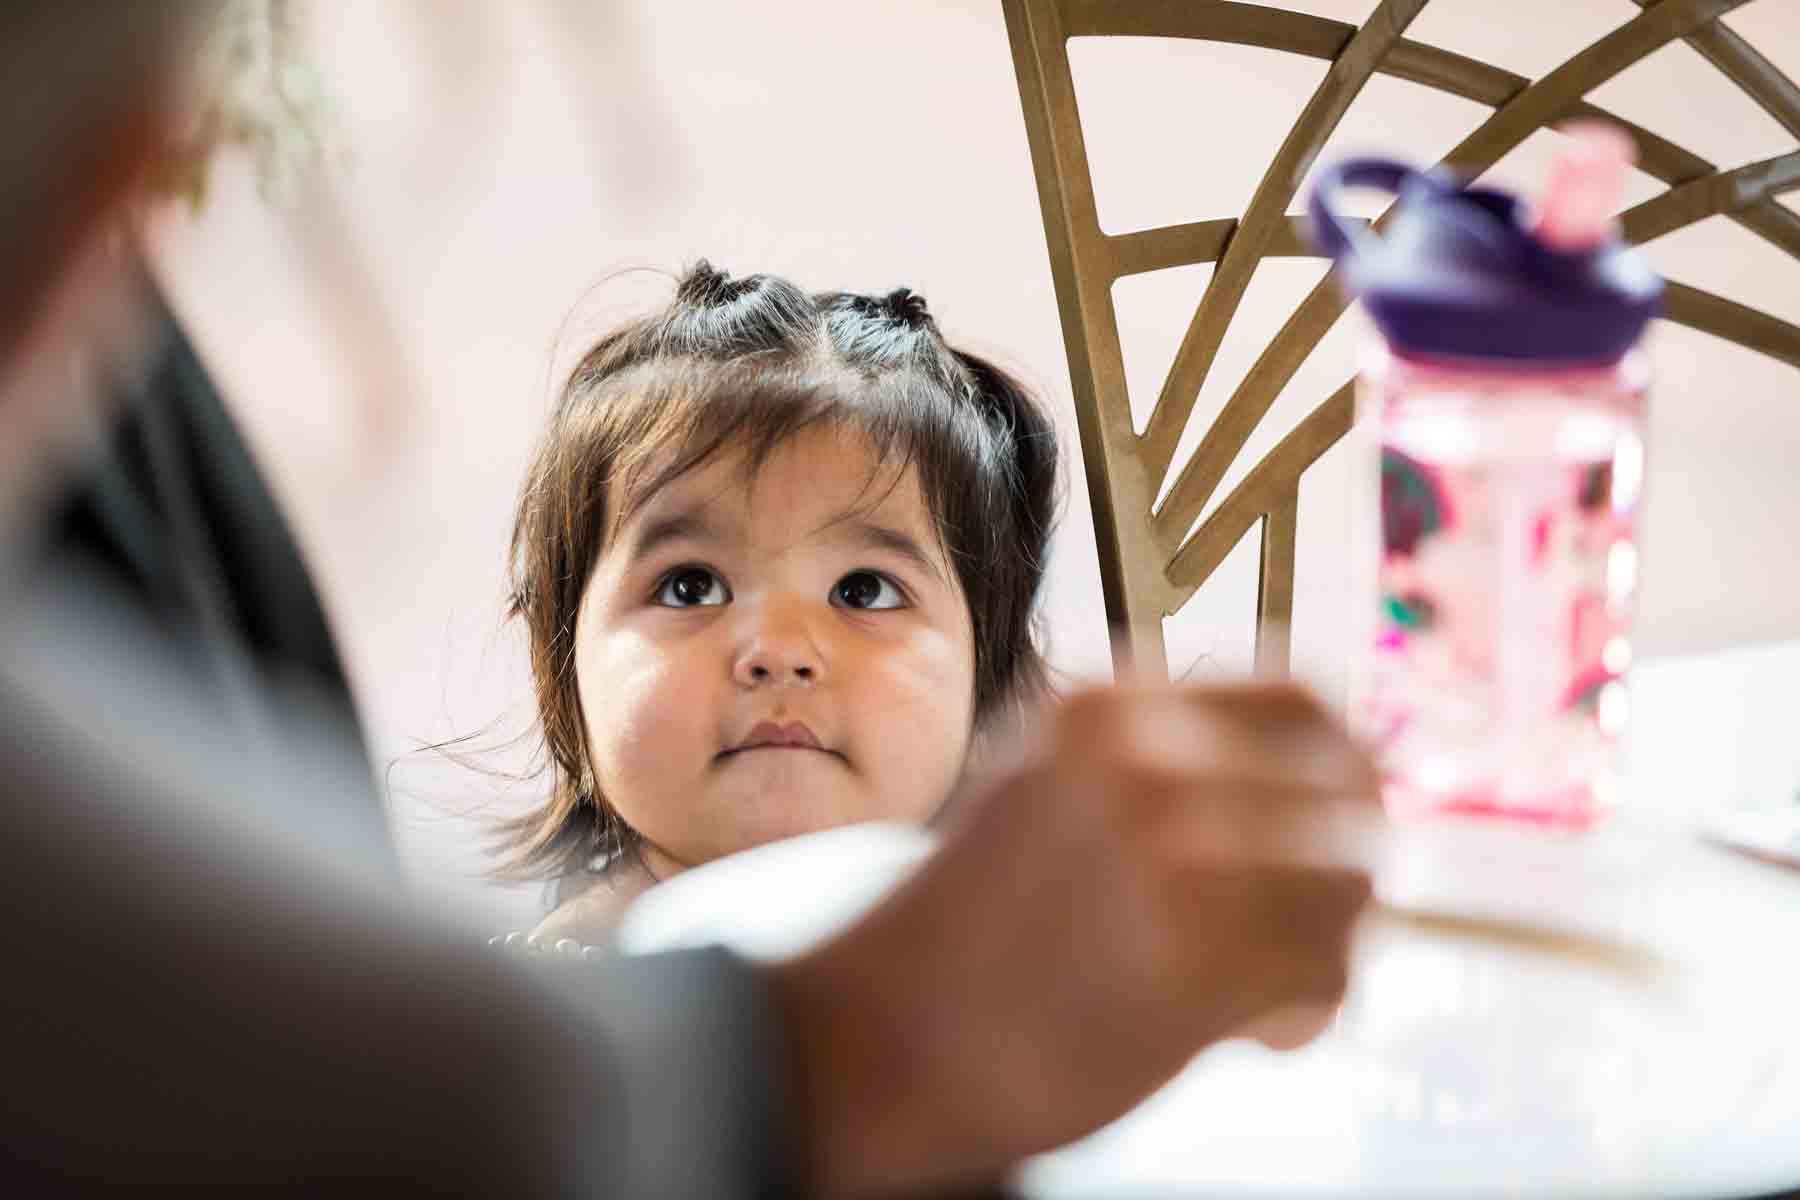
<point x="777" y="560"/>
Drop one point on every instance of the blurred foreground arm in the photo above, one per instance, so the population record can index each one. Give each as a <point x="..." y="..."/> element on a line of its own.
<point x="194" y="1001"/>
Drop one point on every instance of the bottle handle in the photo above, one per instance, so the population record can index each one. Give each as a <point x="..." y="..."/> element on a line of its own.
<point x="1333" y="234"/>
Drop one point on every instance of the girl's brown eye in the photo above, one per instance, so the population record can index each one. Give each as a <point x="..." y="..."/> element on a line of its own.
<point x="692" y="587"/>
<point x="867" y="590"/>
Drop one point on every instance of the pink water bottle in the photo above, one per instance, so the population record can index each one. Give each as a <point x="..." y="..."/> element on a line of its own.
<point x="1507" y="399"/>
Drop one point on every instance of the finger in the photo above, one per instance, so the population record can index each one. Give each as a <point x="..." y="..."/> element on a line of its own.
<point x="1246" y="725"/>
<point x="1297" y="919"/>
<point x="1266" y="939"/>
<point x="1264" y="819"/>
<point x="1127" y="729"/>
<point x="1311" y="911"/>
<point x="1287" y="725"/>
<point x="1254" y="729"/>
<point x="1292" y="1027"/>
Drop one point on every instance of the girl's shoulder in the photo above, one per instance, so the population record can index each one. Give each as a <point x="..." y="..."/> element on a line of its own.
<point x="590" y="914"/>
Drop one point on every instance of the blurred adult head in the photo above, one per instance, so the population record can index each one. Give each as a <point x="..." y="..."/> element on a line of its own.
<point x="85" y="90"/>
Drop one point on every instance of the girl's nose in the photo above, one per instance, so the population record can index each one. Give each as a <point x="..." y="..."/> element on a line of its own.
<point x="778" y="650"/>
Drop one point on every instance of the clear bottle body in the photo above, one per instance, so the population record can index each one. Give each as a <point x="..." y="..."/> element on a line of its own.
<point x="1499" y="542"/>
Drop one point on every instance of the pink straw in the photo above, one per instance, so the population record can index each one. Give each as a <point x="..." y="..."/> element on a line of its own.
<point x="1587" y="184"/>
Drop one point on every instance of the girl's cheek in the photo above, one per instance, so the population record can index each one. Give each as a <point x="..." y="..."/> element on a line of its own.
<point x="633" y="698"/>
<point x="937" y="664"/>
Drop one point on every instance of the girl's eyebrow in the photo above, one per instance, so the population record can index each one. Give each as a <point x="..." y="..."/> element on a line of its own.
<point x="699" y="525"/>
<point x="873" y="534"/>
<point x="693" y="524"/>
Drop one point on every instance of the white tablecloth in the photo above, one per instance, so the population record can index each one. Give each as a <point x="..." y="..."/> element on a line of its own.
<point x="1468" y="1069"/>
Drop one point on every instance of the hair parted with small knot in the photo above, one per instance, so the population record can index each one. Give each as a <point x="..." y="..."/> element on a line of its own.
<point x="908" y="307"/>
<point x="704" y="286"/>
<point x="742" y="365"/>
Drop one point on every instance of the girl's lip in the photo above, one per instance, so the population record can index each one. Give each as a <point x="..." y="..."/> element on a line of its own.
<point x="770" y="735"/>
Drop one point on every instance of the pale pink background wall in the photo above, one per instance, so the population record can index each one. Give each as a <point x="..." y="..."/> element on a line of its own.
<point x="389" y="334"/>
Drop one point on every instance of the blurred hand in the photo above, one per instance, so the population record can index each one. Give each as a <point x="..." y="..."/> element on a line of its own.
<point x="1156" y="875"/>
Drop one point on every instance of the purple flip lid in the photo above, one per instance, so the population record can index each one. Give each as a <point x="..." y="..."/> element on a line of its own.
<point x="1457" y="274"/>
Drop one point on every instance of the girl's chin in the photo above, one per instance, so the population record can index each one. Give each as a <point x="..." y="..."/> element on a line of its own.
<point x="749" y="772"/>
<point x="780" y="757"/>
<point x="759" y="820"/>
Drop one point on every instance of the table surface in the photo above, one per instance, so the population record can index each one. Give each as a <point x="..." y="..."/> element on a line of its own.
<point x="1502" y="1072"/>
<point x="1464" y="1065"/>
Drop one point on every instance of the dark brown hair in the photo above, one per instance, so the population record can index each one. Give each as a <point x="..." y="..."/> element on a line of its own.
<point x="742" y="365"/>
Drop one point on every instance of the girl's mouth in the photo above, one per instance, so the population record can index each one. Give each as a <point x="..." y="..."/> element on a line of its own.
<point x="769" y="735"/>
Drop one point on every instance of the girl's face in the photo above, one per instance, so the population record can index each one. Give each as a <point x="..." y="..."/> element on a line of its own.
<point x="763" y="657"/>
